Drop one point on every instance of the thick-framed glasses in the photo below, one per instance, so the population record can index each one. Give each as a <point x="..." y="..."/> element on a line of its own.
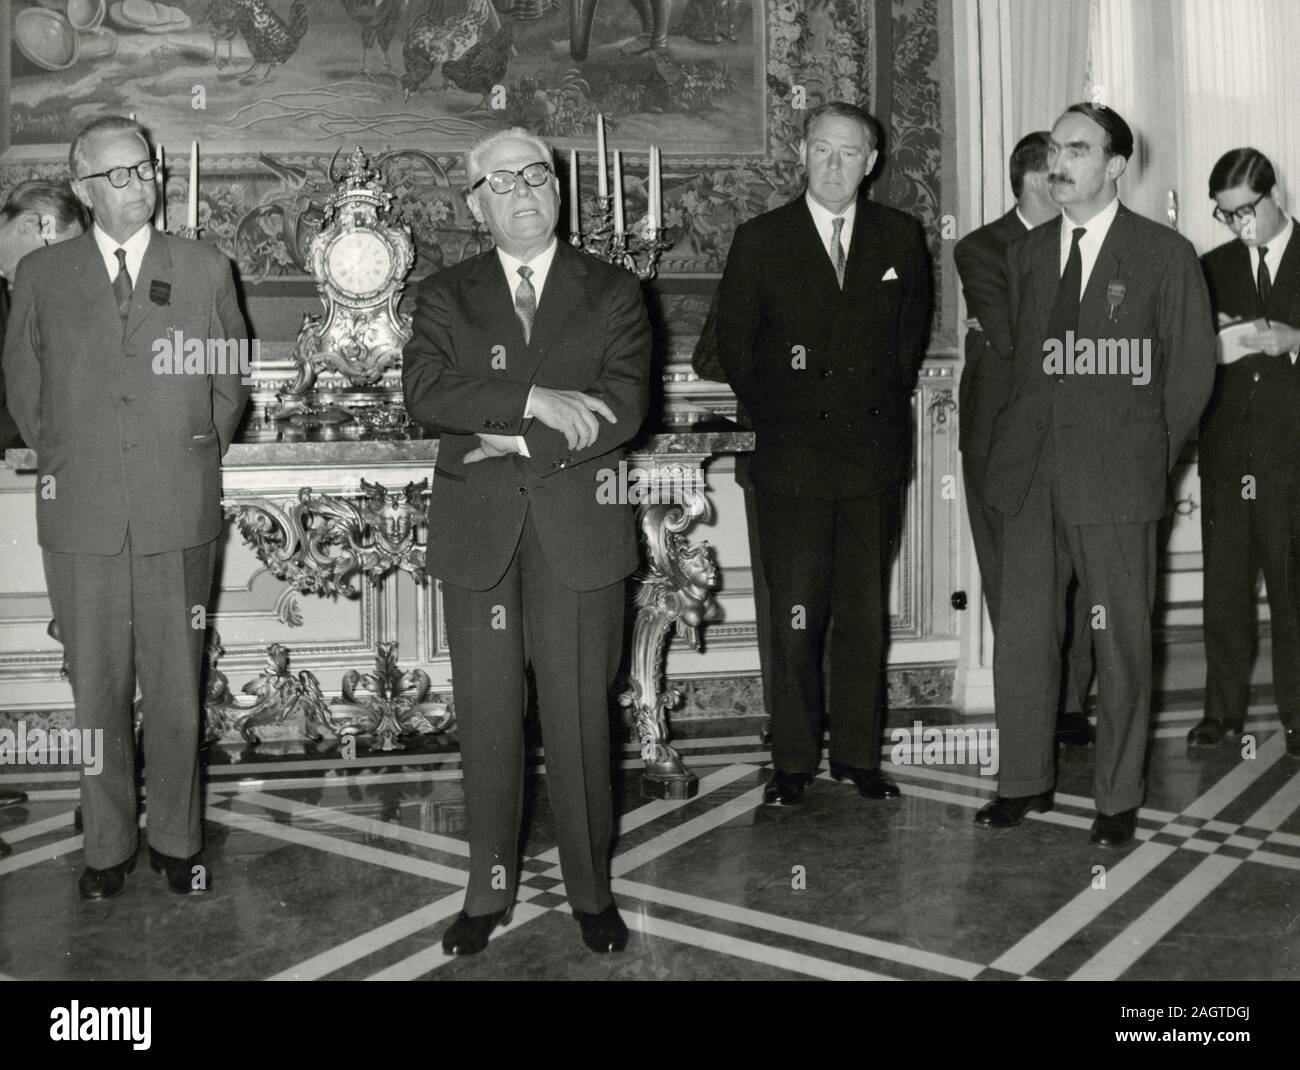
<point x="535" y="174"/>
<point x="118" y="177"/>
<point x="1240" y="214"/>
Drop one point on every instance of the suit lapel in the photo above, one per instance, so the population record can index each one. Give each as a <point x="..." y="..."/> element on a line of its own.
<point x="563" y="293"/>
<point x="1045" y="261"/>
<point x="1109" y="266"/>
<point x="155" y="268"/>
<point x="95" y="287"/>
<point x="807" y="248"/>
<point x="1287" y="282"/>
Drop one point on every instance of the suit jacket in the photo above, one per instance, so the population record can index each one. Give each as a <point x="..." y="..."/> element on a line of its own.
<point x="1252" y="424"/>
<point x="122" y="442"/>
<point x="1114" y="441"/>
<point x="981" y="262"/>
<point x="9" y="436"/>
<point x="826" y="374"/>
<point x="467" y="369"/>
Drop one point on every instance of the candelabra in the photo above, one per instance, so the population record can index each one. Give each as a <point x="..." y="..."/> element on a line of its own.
<point x="638" y="253"/>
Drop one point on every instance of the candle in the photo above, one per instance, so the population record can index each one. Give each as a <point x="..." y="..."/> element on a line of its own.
<point x="618" y="192"/>
<point x="602" y="186"/>
<point x="574" y="225"/>
<point x="160" y="199"/>
<point x="656" y="191"/>
<point x="192" y="217"/>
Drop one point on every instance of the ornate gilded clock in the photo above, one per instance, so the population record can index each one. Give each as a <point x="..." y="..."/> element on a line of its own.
<point x="359" y="259"/>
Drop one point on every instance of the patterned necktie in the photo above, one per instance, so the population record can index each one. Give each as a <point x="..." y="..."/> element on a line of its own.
<point x="1263" y="278"/>
<point x="122" y="286"/>
<point x="1065" y="306"/>
<point x="837" y="226"/>
<point x="526" y="303"/>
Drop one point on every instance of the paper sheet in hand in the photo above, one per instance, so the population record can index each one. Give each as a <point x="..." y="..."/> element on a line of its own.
<point x="1231" y="348"/>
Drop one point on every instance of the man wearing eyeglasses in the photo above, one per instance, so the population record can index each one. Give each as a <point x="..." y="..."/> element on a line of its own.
<point x="1249" y="465"/>
<point x="532" y="360"/>
<point x="128" y="504"/>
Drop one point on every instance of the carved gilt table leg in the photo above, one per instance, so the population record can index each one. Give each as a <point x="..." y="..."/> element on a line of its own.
<point x="674" y="595"/>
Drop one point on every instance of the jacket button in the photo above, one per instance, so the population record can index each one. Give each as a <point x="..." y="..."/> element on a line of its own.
<point x="826" y="373"/>
<point x="823" y="415"/>
<point x="1255" y="378"/>
<point x="875" y="412"/>
<point x="127" y="399"/>
<point x="523" y="490"/>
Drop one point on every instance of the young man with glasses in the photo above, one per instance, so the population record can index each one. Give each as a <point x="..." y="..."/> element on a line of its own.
<point x="532" y="360"/>
<point x="1249" y="460"/>
<point x="128" y="504"/>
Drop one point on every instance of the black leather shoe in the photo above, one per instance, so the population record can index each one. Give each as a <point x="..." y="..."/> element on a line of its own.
<point x="5" y="849"/>
<point x="785" y="789"/>
<point x="12" y="798"/>
<point x="1208" y="732"/>
<point x="469" y="935"/>
<point x="1293" y="742"/>
<point x="185" y="876"/>
<point x="1007" y="811"/>
<point x="105" y="883"/>
<point x="603" y="932"/>
<point x="1074" y="730"/>
<point x="871" y="783"/>
<point x="1114" y="830"/>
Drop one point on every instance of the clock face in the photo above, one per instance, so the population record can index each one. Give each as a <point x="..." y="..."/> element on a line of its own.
<point x="359" y="263"/>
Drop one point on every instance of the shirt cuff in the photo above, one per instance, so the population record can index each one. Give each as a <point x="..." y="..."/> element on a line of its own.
<point x="522" y="446"/>
<point x="528" y="404"/>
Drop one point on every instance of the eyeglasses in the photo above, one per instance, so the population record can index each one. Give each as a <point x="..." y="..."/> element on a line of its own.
<point x="535" y="174"/>
<point x="118" y="177"/>
<point x="1240" y="214"/>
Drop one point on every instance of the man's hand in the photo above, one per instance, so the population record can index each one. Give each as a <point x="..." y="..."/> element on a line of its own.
<point x="571" y="413"/>
<point x="1279" y="338"/>
<point x="491" y="446"/>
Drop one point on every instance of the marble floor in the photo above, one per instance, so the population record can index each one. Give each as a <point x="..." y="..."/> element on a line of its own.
<point x="352" y="870"/>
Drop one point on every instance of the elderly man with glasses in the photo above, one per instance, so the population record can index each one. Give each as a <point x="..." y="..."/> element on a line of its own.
<point x="532" y="361"/>
<point x="128" y="494"/>
<point x="1249" y="457"/>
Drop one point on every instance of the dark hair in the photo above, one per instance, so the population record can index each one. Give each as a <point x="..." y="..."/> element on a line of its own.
<point x="1028" y="157"/>
<point x="844" y="110"/>
<point x="105" y="125"/>
<point x="1242" y="165"/>
<point x="1119" y="138"/>
<point x="45" y="198"/>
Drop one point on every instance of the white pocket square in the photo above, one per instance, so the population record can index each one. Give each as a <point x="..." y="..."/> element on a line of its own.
<point x="890" y="274"/>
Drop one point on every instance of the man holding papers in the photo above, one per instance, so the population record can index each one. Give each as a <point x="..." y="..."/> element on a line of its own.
<point x="1249" y="449"/>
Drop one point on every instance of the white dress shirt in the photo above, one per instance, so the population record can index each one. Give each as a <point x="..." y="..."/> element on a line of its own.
<point x="541" y="265"/>
<point x="1090" y="244"/>
<point x="824" y="221"/>
<point x="1276" y="248"/>
<point x="135" y="246"/>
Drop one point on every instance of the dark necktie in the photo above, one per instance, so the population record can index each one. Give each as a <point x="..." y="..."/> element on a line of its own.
<point x="526" y="303"/>
<point x="1065" y="306"/>
<point x="122" y="286"/>
<point x="837" y="227"/>
<point x="1263" y="279"/>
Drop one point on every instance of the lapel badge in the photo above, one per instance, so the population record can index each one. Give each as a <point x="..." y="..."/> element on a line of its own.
<point x="1115" y="290"/>
<point x="160" y="293"/>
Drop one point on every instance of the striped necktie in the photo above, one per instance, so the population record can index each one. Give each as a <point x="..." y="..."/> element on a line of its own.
<point x="526" y="303"/>
<point x="122" y="287"/>
<point x="837" y="228"/>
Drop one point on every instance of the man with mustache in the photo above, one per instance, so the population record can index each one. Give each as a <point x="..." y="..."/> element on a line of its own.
<point x="1112" y="361"/>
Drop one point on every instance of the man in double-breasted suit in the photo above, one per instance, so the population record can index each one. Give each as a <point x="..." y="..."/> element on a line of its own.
<point x="823" y="319"/>
<point x="128" y="504"/>
<point x="1112" y="362"/>
<point x="1250" y="453"/>
<point x="981" y="260"/>
<point x="533" y="361"/>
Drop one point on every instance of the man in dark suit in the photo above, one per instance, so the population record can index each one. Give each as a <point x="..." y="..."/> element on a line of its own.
<point x="823" y="318"/>
<point x="1249" y="461"/>
<point x="533" y="362"/>
<point x="128" y="505"/>
<point x="1112" y="362"/>
<point x="985" y="382"/>
<point x="35" y="214"/>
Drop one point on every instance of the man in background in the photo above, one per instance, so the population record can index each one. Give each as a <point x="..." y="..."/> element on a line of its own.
<point x="823" y="320"/>
<point x="984" y="389"/>
<point x="1249" y="461"/>
<point x="128" y="506"/>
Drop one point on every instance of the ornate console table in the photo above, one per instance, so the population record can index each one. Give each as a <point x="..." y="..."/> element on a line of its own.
<point x="327" y="510"/>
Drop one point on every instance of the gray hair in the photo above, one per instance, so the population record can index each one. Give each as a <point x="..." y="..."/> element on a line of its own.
<point x="46" y="198"/>
<point x="108" y="124"/>
<point x="474" y="158"/>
